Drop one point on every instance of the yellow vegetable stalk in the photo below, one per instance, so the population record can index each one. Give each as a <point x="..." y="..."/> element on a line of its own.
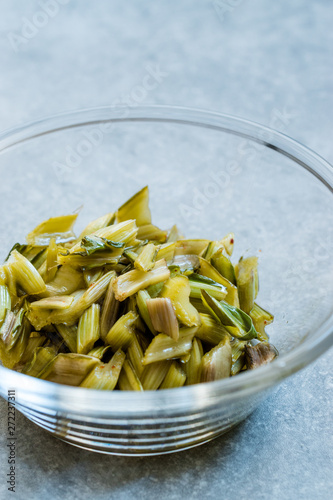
<point x="191" y="247"/>
<point x="154" y="374"/>
<point x="100" y="223"/>
<point x="247" y="282"/>
<point x="69" y="334"/>
<point x="59" y="302"/>
<point x="261" y="319"/>
<point x="90" y="276"/>
<point x="135" y="355"/>
<point x="39" y="260"/>
<point x="105" y="376"/>
<point x="51" y="261"/>
<point x="163" y="316"/>
<point x="162" y="347"/>
<point x="110" y="311"/>
<point x="35" y="340"/>
<point x="12" y="326"/>
<point x="174" y="234"/>
<point x="66" y="281"/>
<point x="41" y="358"/>
<point x="14" y="337"/>
<point x="3" y="276"/>
<point x="198" y="305"/>
<point x="99" y="352"/>
<point x="206" y="269"/>
<point x="131" y="282"/>
<point x="152" y="233"/>
<point x="141" y="301"/>
<point x="226" y="244"/>
<point x="137" y="207"/>
<point x="122" y="333"/>
<point x="178" y="290"/>
<point x="59" y="228"/>
<point x="25" y="274"/>
<point x="5" y="303"/>
<point x="128" y="379"/>
<point x="186" y="264"/>
<point x="82" y="301"/>
<point x="199" y="283"/>
<point x="124" y="232"/>
<point x="193" y="366"/>
<point x="10" y="283"/>
<point x="88" y="331"/>
<point x="90" y="262"/>
<point x="236" y="321"/>
<point x="210" y="331"/>
<point x="237" y="355"/>
<point x="175" y="377"/>
<point x="166" y="251"/>
<point x="69" y="369"/>
<point x="223" y="265"/>
<point x="146" y="258"/>
<point x="216" y="363"/>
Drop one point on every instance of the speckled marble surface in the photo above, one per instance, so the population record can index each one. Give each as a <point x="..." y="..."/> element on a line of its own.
<point x="269" y="62"/>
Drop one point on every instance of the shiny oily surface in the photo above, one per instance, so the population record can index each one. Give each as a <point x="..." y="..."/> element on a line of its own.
<point x="213" y="172"/>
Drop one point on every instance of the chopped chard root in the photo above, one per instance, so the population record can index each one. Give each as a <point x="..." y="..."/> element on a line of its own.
<point x="259" y="355"/>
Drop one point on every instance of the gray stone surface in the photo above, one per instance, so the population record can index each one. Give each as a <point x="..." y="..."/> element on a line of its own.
<point x="269" y="62"/>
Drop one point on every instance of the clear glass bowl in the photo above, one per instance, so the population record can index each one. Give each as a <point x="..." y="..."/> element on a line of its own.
<point x="211" y="174"/>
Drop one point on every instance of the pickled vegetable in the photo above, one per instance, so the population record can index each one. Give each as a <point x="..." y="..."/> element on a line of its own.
<point x="129" y="306"/>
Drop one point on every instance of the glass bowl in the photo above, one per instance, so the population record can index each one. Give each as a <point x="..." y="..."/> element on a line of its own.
<point x="211" y="174"/>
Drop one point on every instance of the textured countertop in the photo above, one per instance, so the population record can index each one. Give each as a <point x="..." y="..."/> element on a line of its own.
<point x="266" y="61"/>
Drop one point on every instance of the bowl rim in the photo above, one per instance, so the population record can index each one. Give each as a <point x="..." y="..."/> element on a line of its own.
<point x="74" y="399"/>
